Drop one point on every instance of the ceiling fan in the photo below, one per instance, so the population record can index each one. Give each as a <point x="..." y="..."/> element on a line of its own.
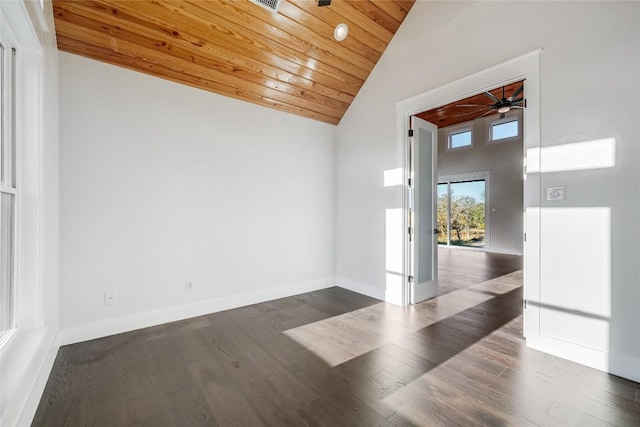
<point x="503" y="105"/>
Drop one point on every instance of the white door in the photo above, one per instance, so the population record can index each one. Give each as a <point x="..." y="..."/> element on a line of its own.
<point x="423" y="243"/>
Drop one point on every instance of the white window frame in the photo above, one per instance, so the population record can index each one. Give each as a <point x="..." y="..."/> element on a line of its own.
<point x="28" y="354"/>
<point x="510" y="117"/>
<point x="23" y="26"/>
<point x="455" y="130"/>
<point x="471" y="176"/>
<point x="10" y="161"/>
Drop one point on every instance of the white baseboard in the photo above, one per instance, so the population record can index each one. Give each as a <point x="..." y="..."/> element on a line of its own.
<point x="361" y="288"/>
<point x="616" y="364"/>
<point x="116" y="325"/>
<point x="35" y="394"/>
<point x="37" y="349"/>
<point x="505" y="252"/>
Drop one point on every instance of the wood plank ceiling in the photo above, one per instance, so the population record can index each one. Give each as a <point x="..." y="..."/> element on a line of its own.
<point x="451" y="114"/>
<point x="287" y="60"/>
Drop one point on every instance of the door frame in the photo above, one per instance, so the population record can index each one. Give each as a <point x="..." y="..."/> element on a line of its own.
<point x="525" y="67"/>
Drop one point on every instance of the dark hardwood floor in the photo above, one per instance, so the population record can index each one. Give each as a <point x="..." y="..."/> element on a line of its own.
<point x="459" y="268"/>
<point x="336" y="358"/>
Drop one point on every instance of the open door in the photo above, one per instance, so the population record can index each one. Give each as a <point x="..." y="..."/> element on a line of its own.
<point x="423" y="243"/>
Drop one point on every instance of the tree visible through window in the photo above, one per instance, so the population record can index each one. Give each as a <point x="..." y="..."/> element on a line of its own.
<point x="461" y="213"/>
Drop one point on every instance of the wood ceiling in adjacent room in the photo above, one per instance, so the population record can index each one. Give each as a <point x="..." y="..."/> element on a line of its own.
<point x="451" y="114"/>
<point x="287" y="60"/>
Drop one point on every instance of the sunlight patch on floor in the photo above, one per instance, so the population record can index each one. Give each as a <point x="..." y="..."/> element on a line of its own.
<point x="432" y="392"/>
<point x="332" y="339"/>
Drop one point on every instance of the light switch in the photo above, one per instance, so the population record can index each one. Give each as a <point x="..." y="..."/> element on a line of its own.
<point x="555" y="194"/>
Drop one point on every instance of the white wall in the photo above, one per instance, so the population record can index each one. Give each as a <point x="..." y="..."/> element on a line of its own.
<point x="162" y="183"/>
<point x="504" y="162"/>
<point x="26" y="359"/>
<point x="589" y="76"/>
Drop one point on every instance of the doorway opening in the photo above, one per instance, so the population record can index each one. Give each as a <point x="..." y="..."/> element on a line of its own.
<point x="452" y="197"/>
<point x="524" y="68"/>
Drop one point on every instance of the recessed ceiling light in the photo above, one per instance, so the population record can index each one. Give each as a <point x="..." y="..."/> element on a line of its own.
<point x="341" y="32"/>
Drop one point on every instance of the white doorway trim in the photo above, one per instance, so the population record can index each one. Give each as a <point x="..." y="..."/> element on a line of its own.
<point x="525" y="67"/>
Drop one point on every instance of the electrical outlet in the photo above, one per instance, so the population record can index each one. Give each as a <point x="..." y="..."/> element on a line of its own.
<point x="109" y="298"/>
<point x="188" y="286"/>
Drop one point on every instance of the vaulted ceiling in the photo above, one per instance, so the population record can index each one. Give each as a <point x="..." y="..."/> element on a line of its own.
<point x="286" y="60"/>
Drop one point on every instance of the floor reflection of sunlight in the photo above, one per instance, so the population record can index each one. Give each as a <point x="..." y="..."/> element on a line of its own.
<point x="332" y="339"/>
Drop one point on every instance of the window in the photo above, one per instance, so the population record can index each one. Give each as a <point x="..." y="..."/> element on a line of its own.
<point x="503" y="129"/>
<point x="459" y="138"/>
<point x="8" y="189"/>
<point x="462" y="207"/>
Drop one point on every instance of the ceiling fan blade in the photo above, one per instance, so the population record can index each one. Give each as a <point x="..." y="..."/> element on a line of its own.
<point x="515" y="101"/>
<point x="488" y="112"/>
<point x="519" y="107"/>
<point x="516" y="93"/>
<point x="492" y="96"/>
<point x="474" y="105"/>
<point x="465" y="114"/>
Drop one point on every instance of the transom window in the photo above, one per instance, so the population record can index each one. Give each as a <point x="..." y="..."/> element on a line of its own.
<point x="503" y="129"/>
<point x="460" y="138"/>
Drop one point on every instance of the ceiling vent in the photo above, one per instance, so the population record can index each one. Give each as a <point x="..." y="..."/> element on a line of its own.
<point x="271" y="5"/>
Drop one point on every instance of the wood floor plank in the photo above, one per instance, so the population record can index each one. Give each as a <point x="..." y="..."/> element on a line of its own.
<point x="108" y="412"/>
<point x="229" y="406"/>
<point x="337" y="358"/>
<point x="188" y="407"/>
<point x="144" y="399"/>
<point x="171" y="375"/>
<point x="191" y="344"/>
